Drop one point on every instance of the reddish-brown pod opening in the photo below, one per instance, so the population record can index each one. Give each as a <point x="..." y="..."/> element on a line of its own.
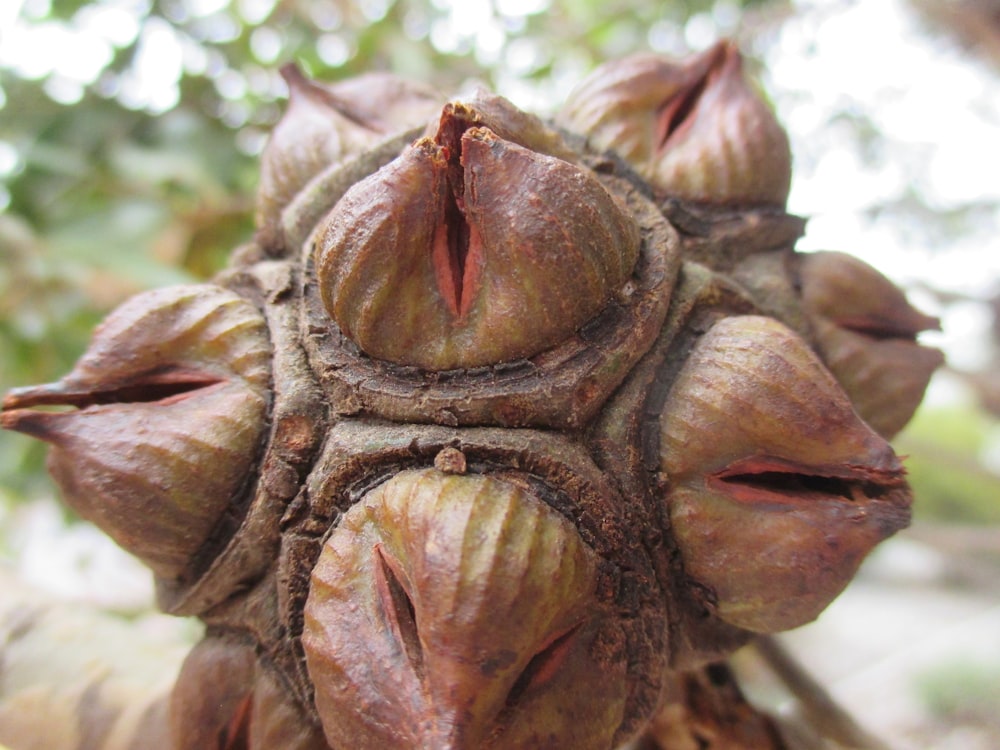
<point x="171" y="403"/>
<point x="866" y="332"/>
<point x="775" y="488"/>
<point x="452" y="610"/>
<point x="471" y="250"/>
<point x="696" y="129"/>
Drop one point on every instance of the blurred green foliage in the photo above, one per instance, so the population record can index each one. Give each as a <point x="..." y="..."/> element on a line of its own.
<point x="966" y="691"/>
<point x="944" y="446"/>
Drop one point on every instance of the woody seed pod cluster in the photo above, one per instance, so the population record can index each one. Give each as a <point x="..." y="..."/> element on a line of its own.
<point x="501" y="429"/>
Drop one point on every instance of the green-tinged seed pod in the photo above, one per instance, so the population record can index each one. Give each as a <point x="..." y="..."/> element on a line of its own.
<point x="776" y="490"/>
<point x="171" y="398"/>
<point x="459" y="611"/>
<point x="866" y="333"/>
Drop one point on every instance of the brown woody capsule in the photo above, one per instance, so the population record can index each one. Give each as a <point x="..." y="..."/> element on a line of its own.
<point x="776" y="489"/>
<point x="458" y="611"/>
<point x="866" y="333"/>
<point x="696" y="130"/>
<point x="224" y="699"/>
<point x="171" y="400"/>
<point x="471" y="250"/>
<point x="210" y="705"/>
<point x="277" y="720"/>
<point x="324" y="125"/>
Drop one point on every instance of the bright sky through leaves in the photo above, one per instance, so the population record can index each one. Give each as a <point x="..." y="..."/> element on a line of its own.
<point x="939" y="115"/>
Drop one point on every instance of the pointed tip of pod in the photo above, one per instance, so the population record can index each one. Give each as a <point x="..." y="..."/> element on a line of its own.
<point x="851" y="294"/>
<point x="34" y="395"/>
<point x="29" y="422"/>
<point x="293" y="76"/>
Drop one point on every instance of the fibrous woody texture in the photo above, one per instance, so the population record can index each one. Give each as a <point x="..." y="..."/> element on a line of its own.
<point x="502" y="429"/>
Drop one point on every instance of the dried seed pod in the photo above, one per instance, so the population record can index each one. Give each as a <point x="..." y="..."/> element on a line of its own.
<point x="620" y="105"/>
<point x="172" y="398"/>
<point x="696" y="130"/>
<point x="866" y="333"/>
<point x="225" y="699"/>
<point x="324" y="125"/>
<point x="485" y="109"/>
<point x="278" y="721"/>
<point x="471" y="250"/>
<point x="210" y="705"/>
<point x="563" y="386"/>
<point x="456" y="611"/>
<point x="776" y="489"/>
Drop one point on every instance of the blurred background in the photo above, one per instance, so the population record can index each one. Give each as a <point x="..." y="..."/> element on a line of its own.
<point x="129" y="137"/>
